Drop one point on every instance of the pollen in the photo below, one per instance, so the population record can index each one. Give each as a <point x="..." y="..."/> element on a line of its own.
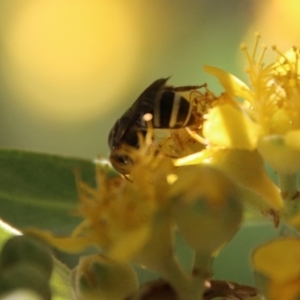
<point x="148" y="117"/>
<point x="118" y="209"/>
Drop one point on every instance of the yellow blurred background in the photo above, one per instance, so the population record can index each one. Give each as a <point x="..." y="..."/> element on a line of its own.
<point x="68" y="69"/>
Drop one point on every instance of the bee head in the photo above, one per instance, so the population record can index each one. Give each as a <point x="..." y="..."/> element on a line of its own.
<point x="121" y="161"/>
<point x="113" y="138"/>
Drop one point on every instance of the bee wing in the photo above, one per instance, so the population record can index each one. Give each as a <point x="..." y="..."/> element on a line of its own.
<point x="143" y="105"/>
<point x="145" y="101"/>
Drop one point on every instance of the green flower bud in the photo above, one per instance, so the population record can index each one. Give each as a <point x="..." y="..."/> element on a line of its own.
<point x="208" y="210"/>
<point x="98" y="277"/>
<point x="26" y="249"/>
<point x="24" y="276"/>
<point x="22" y="295"/>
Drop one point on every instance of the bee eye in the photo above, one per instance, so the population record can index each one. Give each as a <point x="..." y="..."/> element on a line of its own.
<point x="121" y="162"/>
<point x="123" y="159"/>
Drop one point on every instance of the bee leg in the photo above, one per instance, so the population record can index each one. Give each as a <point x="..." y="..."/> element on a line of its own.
<point x="189" y="87"/>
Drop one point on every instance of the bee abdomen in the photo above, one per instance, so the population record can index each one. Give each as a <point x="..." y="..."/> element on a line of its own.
<point x="171" y="110"/>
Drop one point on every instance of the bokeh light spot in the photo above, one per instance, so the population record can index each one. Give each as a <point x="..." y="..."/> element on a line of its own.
<point x="68" y="60"/>
<point x="277" y="21"/>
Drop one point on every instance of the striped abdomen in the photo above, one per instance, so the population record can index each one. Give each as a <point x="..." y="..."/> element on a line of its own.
<point x="170" y="111"/>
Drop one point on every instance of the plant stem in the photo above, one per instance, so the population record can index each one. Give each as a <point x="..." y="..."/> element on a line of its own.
<point x="187" y="287"/>
<point x="289" y="192"/>
<point x="202" y="266"/>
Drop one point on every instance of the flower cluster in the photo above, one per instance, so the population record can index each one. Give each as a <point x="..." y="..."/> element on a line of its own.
<point x="219" y="169"/>
<point x="135" y="221"/>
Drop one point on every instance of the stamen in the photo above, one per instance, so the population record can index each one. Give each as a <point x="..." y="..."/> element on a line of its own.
<point x="149" y="135"/>
<point x="196" y="136"/>
<point x="284" y="61"/>
<point x="274" y="48"/>
<point x="257" y="35"/>
<point x="244" y="48"/>
<point x="261" y="56"/>
<point x="251" y="59"/>
<point x="296" y="50"/>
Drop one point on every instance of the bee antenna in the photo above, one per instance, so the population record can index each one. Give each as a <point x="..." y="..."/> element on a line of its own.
<point x="166" y="79"/>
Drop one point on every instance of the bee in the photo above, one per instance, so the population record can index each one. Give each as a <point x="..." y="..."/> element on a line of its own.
<point x="159" y="104"/>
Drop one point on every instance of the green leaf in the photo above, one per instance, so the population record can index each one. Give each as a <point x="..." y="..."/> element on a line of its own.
<point x="60" y="278"/>
<point x="39" y="189"/>
<point x="60" y="282"/>
<point x="6" y="232"/>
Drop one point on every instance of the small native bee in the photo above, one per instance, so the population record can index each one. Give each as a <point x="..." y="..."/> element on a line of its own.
<point x="159" y="104"/>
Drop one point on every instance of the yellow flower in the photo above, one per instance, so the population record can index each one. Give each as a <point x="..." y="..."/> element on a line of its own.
<point x="263" y="119"/>
<point x="277" y="268"/>
<point x="135" y="221"/>
<point x="246" y="169"/>
<point x="269" y="116"/>
<point x="119" y="216"/>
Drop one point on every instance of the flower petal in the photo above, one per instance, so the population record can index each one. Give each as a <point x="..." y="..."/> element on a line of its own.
<point x="284" y="253"/>
<point x="246" y="168"/>
<point x="233" y="85"/>
<point x="68" y="244"/>
<point x="193" y="159"/>
<point x="286" y="291"/>
<point x="228" y="127"/>
<point x="281" y="152"/>
<point x="292" y="139"/>
<point x="125" y="248"/>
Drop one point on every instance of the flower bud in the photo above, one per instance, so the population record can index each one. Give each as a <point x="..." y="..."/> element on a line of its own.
<point x="27" y="249"/>
<point x="24" y="276"/>
<point x="22" y="294"/>
<point x="208" y="210"/>
<point x="98" y="277"/>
